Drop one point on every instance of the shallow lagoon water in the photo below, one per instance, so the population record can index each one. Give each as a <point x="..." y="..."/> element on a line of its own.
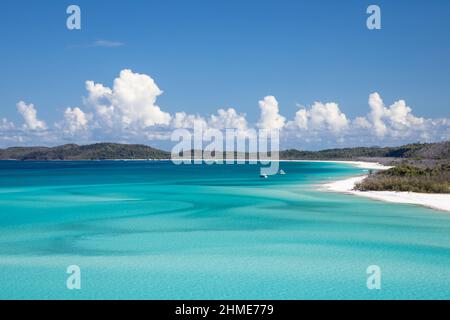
<point x="153" y="230"/>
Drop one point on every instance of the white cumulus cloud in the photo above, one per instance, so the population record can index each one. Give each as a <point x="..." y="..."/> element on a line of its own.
<point x="362" y="122"/>
<point x="29" y="115"/>
<point x="130" y="104"/>
<point x="6" y="125"/>
<point x="128" y="112"/>
<point x="395" y="120"/>
<point x="270" y="119"/>
<point x="75" y="122"/>
<point x="228" y="119"/>
<point x="182" y="120"/>
<point x="377" y="113"/>
<point x="321" y="116"/>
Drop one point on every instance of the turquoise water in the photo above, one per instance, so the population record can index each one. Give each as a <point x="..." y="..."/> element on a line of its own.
<point x="153" y="230"/>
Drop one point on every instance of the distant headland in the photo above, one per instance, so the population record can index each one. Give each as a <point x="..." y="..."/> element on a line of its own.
<point x="423" y="152"/>
<point x="419" y="167"/>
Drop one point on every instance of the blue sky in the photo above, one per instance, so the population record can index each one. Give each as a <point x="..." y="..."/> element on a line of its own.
<point x="207" y="55"/>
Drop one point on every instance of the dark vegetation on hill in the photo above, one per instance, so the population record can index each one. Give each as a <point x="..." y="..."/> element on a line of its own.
<point x="418" y="167"/>
<point x="99" y="151"/>
<point x="409" y="178"/>
<point x="436" y="151"/>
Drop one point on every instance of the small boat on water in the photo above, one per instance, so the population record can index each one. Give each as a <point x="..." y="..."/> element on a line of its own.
<point x="264" y="176"/>
<point x="282" y="172"/>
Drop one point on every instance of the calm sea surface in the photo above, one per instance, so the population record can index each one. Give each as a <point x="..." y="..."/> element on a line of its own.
<point x="153" y="230"/>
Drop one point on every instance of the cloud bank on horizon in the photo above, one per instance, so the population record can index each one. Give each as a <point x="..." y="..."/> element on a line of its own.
<point x="128" y="113"/>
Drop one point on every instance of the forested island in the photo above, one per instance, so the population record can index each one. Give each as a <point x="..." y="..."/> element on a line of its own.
<point x="419" y="167"/>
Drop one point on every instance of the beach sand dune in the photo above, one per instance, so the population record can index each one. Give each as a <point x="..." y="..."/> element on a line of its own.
<point x="435" y="201"/>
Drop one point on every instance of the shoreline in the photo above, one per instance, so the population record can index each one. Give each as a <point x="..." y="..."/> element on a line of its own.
<point x="435" y="201"/>
<point x="359" y="164"/>
<point x="430" y="200"/>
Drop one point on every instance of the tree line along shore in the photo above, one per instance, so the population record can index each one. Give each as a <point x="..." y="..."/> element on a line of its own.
<point x="419" y="167"/>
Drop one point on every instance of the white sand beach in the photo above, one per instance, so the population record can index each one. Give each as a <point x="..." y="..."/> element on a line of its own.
<point x="435" y="201"/>
<point x="359" y="164"/>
